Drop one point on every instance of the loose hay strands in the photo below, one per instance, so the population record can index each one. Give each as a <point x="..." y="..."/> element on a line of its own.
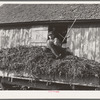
<point x="35" y="62"/>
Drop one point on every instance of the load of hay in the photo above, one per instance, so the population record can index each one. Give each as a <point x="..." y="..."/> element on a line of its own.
<point x="34" y="62"/>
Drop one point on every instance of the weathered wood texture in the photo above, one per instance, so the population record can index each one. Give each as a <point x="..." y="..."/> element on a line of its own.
<point x="23" y="36"/>
<point x="84" y="38"/>
<point x="84" y="41"/>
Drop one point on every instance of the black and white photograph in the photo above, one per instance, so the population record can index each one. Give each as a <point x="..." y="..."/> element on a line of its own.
<point x="50" y="46"/>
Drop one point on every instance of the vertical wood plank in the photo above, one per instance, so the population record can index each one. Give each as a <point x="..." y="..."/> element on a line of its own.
<point x="77" y="41"/>
<point x="84" y="42"/>
<point x="91" y="46"/>
<point x="97" y="52"/>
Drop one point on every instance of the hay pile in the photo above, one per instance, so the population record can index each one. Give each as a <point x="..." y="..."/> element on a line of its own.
<point x="36" y="62"/>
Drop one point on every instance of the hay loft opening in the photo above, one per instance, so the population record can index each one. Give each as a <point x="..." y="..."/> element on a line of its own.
<point x="60" y="31"/>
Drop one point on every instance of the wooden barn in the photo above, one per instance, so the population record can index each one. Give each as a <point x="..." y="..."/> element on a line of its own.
<point x="29" y="24"/>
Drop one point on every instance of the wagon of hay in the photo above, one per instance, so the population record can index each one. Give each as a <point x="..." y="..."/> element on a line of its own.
<point x="25" y="67"/>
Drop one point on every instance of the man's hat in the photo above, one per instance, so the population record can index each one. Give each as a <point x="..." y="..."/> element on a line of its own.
<point x="51" y="33"/>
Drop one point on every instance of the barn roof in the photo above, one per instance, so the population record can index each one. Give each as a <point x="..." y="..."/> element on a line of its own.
<point x="12" y="13"/>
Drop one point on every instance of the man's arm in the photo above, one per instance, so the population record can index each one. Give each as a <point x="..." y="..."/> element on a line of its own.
<point x="57" y="42"/>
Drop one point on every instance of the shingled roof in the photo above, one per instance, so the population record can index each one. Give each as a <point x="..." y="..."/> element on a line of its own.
<point x="12" y="13"/>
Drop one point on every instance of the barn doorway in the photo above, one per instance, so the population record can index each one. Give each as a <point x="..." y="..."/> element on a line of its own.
<point x="60" y="31"/>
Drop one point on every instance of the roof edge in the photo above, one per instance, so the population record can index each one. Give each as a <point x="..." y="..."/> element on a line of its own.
<point x="51" y="21"/>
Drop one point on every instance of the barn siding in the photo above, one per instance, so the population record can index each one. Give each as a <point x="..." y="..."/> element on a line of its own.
<point x="36" y="35"/>
<point x="84" y="41"/>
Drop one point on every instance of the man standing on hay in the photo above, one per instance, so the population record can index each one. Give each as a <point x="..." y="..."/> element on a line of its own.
<point x="54" y="44"/>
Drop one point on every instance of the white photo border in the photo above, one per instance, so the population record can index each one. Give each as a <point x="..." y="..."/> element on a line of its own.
<point x="49" y="94"/>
